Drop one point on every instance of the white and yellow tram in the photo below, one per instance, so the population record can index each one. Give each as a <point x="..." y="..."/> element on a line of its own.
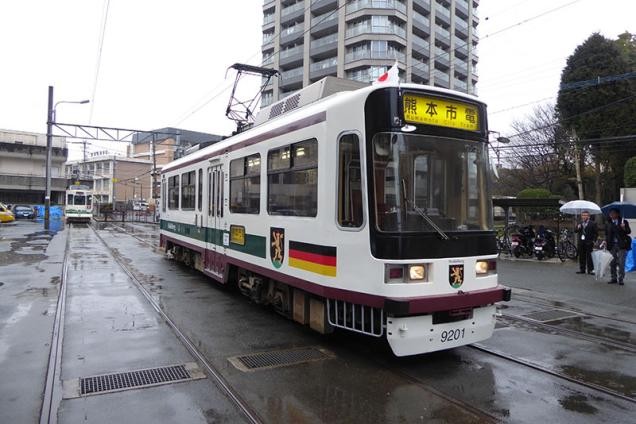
<point x="79" y="204"/>
<point x="366" y="210"/>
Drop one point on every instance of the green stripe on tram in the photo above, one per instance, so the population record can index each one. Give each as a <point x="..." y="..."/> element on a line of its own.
<point x="254" y="244"/>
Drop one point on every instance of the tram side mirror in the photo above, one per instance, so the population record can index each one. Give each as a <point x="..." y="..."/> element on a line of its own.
<point x="383" y="146"/>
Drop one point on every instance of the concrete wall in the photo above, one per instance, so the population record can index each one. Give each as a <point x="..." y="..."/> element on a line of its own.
<point x="126" y="188"/>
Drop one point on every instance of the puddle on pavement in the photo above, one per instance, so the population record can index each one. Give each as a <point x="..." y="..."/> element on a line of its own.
<point x="583" y="325"/>
<point x="619" y="383"/>
<point x="578" y="403"/>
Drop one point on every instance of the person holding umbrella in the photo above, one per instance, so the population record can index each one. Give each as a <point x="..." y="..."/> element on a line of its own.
<point x="587" y="234"/>
<point x="618" y="242"/>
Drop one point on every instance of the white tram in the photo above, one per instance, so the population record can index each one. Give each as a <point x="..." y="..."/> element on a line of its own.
<point x="79" y="204"/>
<point x="366" y="210"/>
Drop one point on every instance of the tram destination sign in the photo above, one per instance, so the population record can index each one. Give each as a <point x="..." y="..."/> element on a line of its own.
<point x="421" y="109"/>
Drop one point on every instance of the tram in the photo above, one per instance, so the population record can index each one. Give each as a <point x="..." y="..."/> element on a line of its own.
<point x="365" y="210"/>
<point x="79" y="204"/>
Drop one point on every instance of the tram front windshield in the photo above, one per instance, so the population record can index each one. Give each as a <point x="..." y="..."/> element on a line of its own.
<point x="422" y="182"/>
<point x="79" y="200"/>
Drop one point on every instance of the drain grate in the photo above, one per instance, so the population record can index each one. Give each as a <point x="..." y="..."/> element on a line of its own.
<point x="148" y="377"/>
<point x="279" y="358"/>
<point x="551" y="315"/>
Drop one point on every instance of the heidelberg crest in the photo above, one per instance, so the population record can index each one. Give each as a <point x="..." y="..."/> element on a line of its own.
<point x="277" y="246"/>
<point x="456" y="275"/>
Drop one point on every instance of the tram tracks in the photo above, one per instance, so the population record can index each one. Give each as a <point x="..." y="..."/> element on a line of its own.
<point x="234" y="396"/>
<point x="483" y="414"/>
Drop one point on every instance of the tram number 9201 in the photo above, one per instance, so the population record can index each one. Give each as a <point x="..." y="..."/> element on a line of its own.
<point x="452" y="335"/>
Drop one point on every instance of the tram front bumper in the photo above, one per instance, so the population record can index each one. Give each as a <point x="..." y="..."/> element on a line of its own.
<point x="417" y="334"/>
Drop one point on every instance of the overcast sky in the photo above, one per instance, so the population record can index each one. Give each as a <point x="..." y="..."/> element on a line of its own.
<point x="163" y="60"/>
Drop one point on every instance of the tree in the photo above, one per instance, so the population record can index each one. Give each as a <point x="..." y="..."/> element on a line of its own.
<point x="626" y="43"/>
<point x="596" y="112"/>
<point x="630" y="172"/>
<point x="540" y="152"/>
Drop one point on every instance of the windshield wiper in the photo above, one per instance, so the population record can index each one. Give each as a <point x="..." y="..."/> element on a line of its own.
<point x="423" y="214"/>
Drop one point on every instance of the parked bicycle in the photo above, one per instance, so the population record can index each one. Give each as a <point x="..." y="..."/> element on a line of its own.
<point x="566" y="248"/>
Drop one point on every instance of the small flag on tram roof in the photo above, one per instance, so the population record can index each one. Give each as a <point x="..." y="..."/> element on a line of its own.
<point x="391" y="76"/>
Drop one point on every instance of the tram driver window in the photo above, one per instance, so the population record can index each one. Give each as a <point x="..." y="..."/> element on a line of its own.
<point x="349" y="182"/>
<point x="292" y="179"/>
<point x="173" y="192"/>
<point x="188" y="190"/>
<point x="245" y="185"/>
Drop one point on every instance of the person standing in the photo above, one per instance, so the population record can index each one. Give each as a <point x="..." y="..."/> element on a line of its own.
<point x="587" y="232"/>
<point x="618" y="242"/>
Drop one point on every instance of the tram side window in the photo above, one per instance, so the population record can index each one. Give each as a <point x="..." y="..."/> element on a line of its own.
<point x="245" y="185"/>
<point x="292" y="179"/>
<point x="187" y="190"/>
<point x="349" y="182"/>
<point x="69" y="199"/>
<point x="163" y="196"/>
<point x="173" y="192"/>
<point x="200" y="190"/>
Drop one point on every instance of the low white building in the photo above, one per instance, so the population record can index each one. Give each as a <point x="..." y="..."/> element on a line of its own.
<point x="23" y="167"/>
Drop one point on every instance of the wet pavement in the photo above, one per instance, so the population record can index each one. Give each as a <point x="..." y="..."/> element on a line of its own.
<point x="111" y="327"/>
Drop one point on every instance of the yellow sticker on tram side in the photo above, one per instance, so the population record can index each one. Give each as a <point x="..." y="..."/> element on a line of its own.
<point x="237" y="234"/>
<point x="440" y="112"/>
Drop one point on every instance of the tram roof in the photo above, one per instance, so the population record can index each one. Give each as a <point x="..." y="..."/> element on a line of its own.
<point x="319" y="105"/>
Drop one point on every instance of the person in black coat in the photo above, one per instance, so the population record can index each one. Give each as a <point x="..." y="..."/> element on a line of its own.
<point x="618" y="242"/>
<point x="587" y="232"/>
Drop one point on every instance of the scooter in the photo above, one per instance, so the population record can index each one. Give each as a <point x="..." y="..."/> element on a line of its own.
<point x="544" y="244"/>
<point x="522" y="243"/>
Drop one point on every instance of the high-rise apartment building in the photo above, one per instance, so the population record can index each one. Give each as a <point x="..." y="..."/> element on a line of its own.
<point x="434" y="42"/>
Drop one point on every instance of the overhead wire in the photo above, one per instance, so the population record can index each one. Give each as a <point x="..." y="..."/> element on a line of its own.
<point x="100" y="48"/>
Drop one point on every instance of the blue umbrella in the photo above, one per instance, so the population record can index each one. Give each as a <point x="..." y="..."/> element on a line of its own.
<point x="626" y="209"/>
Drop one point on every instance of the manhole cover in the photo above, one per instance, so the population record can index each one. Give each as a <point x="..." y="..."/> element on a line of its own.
<point x="107" y="383"/>
<point x="551" y="315"/>
<point x="279" y="358"/>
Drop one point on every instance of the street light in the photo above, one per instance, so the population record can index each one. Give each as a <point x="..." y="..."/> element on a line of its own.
<point x="499" y="140"/>
<point x="50" y="121"/>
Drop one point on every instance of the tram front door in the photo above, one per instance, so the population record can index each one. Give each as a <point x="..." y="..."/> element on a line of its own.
<point x="215" y="262"/>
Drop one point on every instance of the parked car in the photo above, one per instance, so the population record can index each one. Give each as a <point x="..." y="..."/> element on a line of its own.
<point x="23" y="211"/>
<point x="5" y="214"/>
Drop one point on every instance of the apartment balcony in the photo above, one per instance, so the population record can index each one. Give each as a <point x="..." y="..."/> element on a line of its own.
<point x="441" y="80"/>
<point x="420" y="45"/>
<point x="442" y="37"/>
<point x="291" y="79"/>
<point x="461" y="28"/>
<point x="461" y="68"/>
<point x="461" y="49"/>
<point x="421" y="70"/>
<point x="461" y="8"/>
<point x="268" y="62"/>
<point x="268" y="3"/>
<point x="442" y="14"/>
<point x="292" y="34"/>
<point x="291" y="58"/>
<point x="324" y="24"/>
<point x="366" y="54"/>
<point x="442" y="59"/>
<point x="421" y="24"/>
<point x="422" y="6"/>
<point x="376" y="4"/>
<point x="460" y="85"/>
<point x="323" y="68"/>
<point x="268" y="38"/>
<point x="322" y="6"/>
<point x="370" y="29"/>
<point x="268" y="19"/>
<point x="292" y="13"/>
<point x="322" y="48"/>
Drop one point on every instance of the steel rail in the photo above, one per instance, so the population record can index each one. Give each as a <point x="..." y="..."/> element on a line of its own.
<point x="553" y="373"/>
<point x="53" y="384"/>
<point x="251" y="415"/>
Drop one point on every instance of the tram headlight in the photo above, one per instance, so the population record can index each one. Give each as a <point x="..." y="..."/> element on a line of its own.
<point x="485" y="267"/>
<point x="417" y="272"/>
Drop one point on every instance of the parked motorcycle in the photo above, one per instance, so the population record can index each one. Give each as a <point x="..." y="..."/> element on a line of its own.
<point x="522" y="243"/>
<point x="544" y="244"/>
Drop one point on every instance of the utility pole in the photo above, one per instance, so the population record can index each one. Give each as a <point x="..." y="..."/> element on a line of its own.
<point x="154" y="166"/>
<point x="577" y="164"/>
<point x="49" y="142"/>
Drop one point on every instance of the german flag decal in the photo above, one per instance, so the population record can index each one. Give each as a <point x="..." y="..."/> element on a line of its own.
<point x="313" y="258"/>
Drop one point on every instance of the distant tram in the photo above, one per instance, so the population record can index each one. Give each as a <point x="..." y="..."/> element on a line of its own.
<point x="366" y="210"/>
<point x="79" y="204"/>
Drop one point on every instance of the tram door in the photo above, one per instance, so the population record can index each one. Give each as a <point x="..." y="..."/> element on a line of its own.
<point x="216" y="250"/>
